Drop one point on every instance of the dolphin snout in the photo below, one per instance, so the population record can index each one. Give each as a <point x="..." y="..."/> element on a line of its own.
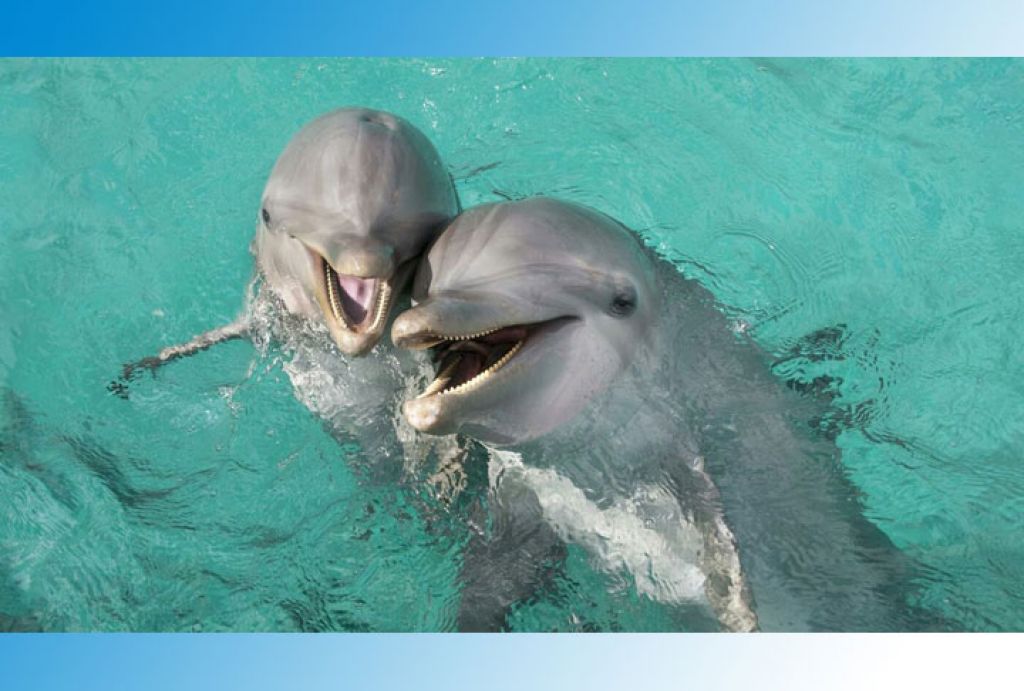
<point x="424" y="414"/>
<point x="351" y="255"/>
<point x="411" y="331"/>
<point x="365" y="262"/>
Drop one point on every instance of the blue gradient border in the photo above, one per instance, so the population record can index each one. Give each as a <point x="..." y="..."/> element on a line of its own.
<point x="526" y="27"/>
<point x="423" y="662"/>
<point x="520" y="27"/>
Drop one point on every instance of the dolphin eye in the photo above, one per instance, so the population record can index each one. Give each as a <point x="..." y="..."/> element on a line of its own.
<point x="266" y="217"/>
<point x="624" y="303"/>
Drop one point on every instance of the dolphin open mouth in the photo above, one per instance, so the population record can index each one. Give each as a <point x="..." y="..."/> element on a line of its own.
<point x="359" y="304"/>
<point x="467" y="362"/>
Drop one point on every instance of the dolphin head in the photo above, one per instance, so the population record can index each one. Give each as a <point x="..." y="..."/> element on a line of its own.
<point x="531" y="308"/>
<point x="350" y="204"/>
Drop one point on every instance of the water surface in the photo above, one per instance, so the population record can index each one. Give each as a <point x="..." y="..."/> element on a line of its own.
<point x="877" y="199"/>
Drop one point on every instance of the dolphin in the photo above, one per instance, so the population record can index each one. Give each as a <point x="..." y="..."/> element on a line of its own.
<point x="352" y="201"/>
<point x="625" y="415"/>
<point x="350" y="204"/>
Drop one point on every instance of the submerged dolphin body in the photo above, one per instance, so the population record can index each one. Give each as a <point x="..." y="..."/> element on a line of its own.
<point x="350" y="204"/>
<point x="635" y="422"/>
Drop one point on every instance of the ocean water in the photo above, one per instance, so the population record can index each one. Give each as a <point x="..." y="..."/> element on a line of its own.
<point x="879" y="201"/>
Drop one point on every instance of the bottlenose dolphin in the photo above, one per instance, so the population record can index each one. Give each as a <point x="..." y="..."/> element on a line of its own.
<point x="627" y="414"/>
<point x="350" y="204"/>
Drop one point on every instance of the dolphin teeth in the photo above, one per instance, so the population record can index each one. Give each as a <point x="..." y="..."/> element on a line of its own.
<point x="437" y="387"/>
<point x="332" y="296"/>
<point x="463" y="337"/>
<point x="486" y="374"/>
<point x="382" y="300"/>
<point x="383" y="304"/>
<point x="443" y="377"/>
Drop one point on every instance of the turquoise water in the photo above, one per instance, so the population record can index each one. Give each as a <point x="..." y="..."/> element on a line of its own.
<point x="881" y="198"/>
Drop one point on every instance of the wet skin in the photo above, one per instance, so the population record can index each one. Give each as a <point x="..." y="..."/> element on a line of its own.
<point x="352" y="201"/>
<point x="557" y="335"/>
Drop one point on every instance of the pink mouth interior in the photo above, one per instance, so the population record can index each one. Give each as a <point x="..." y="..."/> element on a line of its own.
<point x="356" y="296"/>
<point x="476" y="355"/>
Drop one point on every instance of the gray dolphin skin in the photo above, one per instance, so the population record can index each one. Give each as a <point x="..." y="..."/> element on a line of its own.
<point x="518" y="294"/>
<point x="626" y="402"/>
<point x="350" y="204"/>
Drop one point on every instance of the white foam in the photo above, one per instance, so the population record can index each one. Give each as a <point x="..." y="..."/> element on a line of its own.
<point x="644" y="535"/>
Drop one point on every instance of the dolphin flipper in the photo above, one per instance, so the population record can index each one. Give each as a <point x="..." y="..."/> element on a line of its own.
<point x="725" y="585"/>
<point x="239" y="328"/>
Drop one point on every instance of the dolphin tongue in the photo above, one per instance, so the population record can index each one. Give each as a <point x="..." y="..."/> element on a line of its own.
<point x="356" y="296"/>
<point x="462" y="361"/>
<point x="470" y="365"/>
